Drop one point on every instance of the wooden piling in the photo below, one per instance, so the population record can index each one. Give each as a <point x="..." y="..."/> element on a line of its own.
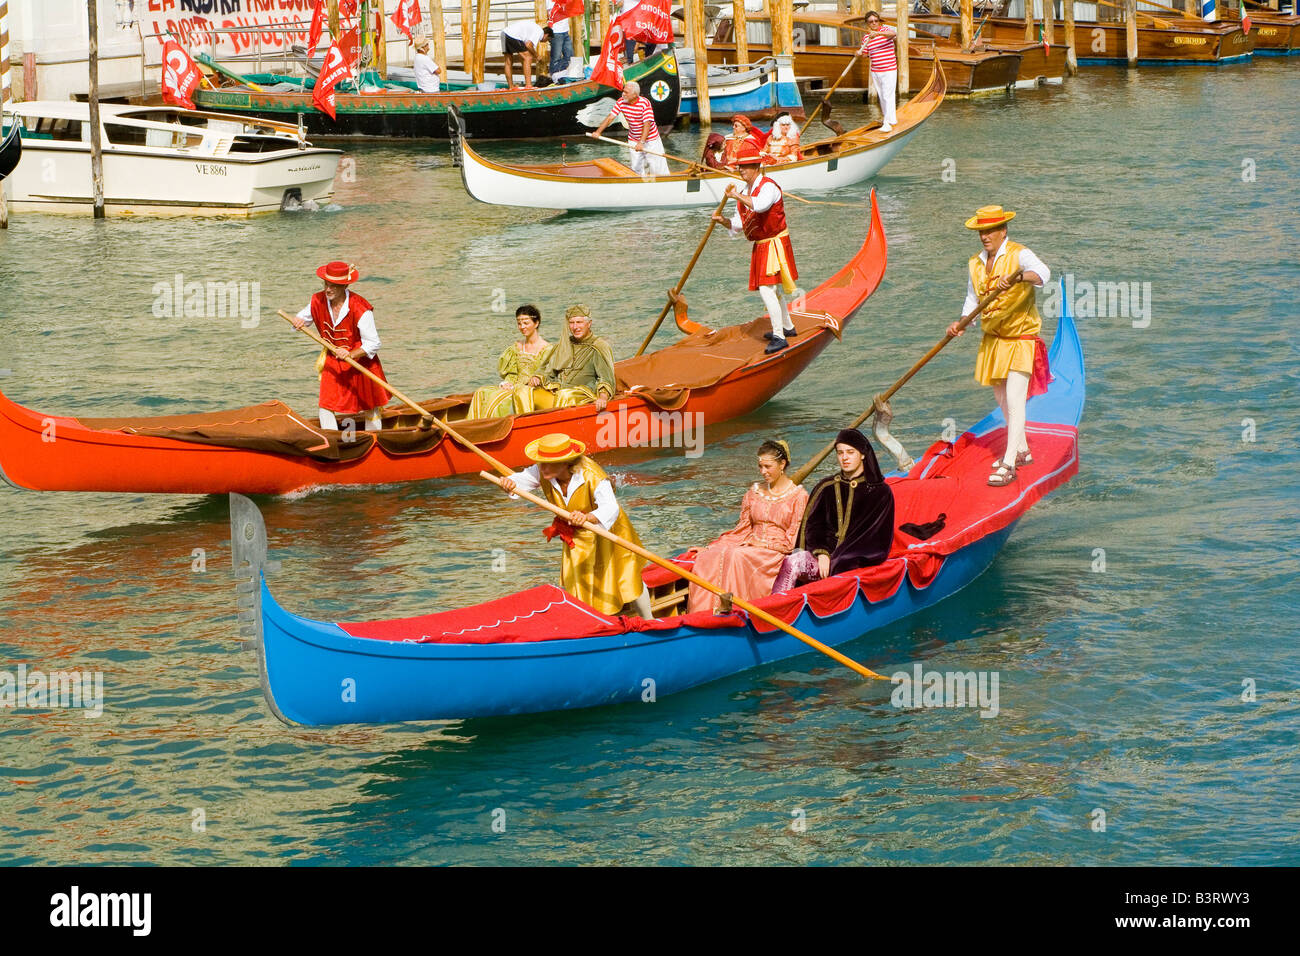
<point x="381" y="43"/>
<point x="740" y="27"/>
<point x="438" y="27"/>
<point x="695" y="30"/>
<point x="332" y="15"/>
<point x="466" y="33"/>
<point x="967" y="23"/>
<point x="480" y="42"/>
<point x="96" y="137"/>
<point x="602" y="17"/>
<point x="1131" y="32"/>
<point x="1071" y="58"/>
<point x="1029" y="21"/>
<point x="1049" y="22"/>
<point x="901" y="43"/>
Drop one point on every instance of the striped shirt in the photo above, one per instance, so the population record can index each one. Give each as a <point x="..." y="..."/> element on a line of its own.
<point x="880" y="48"/>
<point x="639" y="117"/>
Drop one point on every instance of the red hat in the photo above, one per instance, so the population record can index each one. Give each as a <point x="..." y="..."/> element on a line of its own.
<point x="339" y="273"/>
<point x="749" y="154"/>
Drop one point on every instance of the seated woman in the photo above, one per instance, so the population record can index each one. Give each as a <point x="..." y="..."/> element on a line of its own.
<point x="849" y="521"/>
<point x="783" y="141"/>
<point x="712" y="157"/>
<point x="742" y="131"/>
<point x="745" y="559"/>
<point x="518" y="363"/>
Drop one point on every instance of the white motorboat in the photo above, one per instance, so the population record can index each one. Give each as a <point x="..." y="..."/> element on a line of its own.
<point x="163" y="160"/>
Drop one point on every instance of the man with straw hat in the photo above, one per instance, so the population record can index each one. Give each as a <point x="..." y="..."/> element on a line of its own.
<point x="426" y="71"/>
<point x="347" y="324"/>
<point x="1012" y="357"/>
<point x="592" y="569"/>
<point x="760" y="216"/>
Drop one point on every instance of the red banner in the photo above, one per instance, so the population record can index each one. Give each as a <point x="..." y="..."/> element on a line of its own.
<point x="609" y="68"/>
<point x="649" y="21"/>
<point x="317" y="26"/>
<point x="563" y="9"/>
<point x="180" y="77"/>
<point x="406" y="16"/>
<point x="336" y="68"/>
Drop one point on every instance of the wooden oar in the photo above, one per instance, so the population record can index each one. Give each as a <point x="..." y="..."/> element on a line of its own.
<point x="696" y="579"/>
<point x="812" y="115"/>
<point x="677" y="289"/>
<point x="880" y="404"/>
<point x="426" y="419"/>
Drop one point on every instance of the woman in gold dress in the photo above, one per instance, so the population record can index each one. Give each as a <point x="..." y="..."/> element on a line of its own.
<point x="517" y="365"/>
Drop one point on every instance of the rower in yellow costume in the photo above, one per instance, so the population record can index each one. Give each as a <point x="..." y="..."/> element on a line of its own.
<point x="1012" y="357"/>
<point x="593" y="569"/>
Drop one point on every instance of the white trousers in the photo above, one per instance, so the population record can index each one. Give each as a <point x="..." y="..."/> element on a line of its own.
<point x="329" y="420"/>
<point x="884" y="84"/>
<point x="1012" y="395"/>
<point x="778" y="308"/>
<point x="643" y="163"/>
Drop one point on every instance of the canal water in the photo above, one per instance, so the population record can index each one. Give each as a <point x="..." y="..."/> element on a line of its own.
<point x="1142" y="619"/>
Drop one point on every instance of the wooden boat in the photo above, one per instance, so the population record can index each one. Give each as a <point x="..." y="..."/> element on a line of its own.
<point x="607" y="184"/>
<point x="1272" y="33"/>
<point x="1038" y="64"/>
<point x="1163" y="42"/>
<point x="759" y="91"/>
<point x="163" y="160"/>
<point x="11" y="150"/>
<point x="268" y="449"/>
<point x="541" y="650"/>
<point x="396" y="111"/>
<point x="830" y="41"/>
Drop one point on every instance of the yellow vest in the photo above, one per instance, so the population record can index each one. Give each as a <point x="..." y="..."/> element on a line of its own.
<point x="595" y="570"/>
<point x="1013" y="313"/>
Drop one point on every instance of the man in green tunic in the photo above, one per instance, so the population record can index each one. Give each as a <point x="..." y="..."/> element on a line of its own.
<point x="581" y="366"/>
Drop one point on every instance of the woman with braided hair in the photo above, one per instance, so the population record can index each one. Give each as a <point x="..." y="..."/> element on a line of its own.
<point x="744" y="561"/>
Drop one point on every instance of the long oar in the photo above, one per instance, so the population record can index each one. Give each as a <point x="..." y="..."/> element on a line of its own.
<point x="812" y="114"/>
<point x="695" y="579"/>
<point x="677" y="289"/>
<point x="880" y="404"/>
<point x="426" y="419"/>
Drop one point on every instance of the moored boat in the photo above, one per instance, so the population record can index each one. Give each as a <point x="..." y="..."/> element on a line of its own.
<point x="829" y="42"/>
<point x="1039" y="63"/>
<point x="542" y="650"/>
<point x="395" y="111"/>
<point x="608" y="185"/>
<point x="11" y="149"/>
<point x="702" y="379"/>
<point x="164" y="160"/>
<point x="760" y="90"/>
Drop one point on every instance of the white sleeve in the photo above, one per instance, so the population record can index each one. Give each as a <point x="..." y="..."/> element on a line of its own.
<point x="369" y="336"/>
<point x="737" y="229"/>
<point x="766" y="197"/>
<point x="305" y="313"/>
<point x="1031" y="263"/>
<point x="606" y="505"/>
<point x="530" y="479"/>
<point x="971" y="299"/>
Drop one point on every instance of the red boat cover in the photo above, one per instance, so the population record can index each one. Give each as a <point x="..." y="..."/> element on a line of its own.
<point x="950" y="479"/>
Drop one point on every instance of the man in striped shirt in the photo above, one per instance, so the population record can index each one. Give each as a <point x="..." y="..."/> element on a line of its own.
<point x="878" y="45"/>
<point x="642" y="133"/>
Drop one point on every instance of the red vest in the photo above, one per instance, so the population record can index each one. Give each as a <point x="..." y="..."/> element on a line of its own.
<point x="342" y="388"/>
<point x="763" y="225"/>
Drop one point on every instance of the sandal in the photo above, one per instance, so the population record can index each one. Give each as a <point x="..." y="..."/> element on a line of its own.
<point x="1004" y="475"/>
<point x="1023" y="458"/>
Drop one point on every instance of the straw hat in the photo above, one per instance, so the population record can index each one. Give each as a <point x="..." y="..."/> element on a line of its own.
<point x="339" y="273"/>
<point x="420" y="42"/>
<point x="579" y="309"/>
<point x="554" y="448"/>
<point x="989" y="217"/>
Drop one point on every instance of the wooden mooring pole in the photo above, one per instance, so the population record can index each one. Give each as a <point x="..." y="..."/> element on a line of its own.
<point x="1071" y="58"/>
<point x="96" y="138"/>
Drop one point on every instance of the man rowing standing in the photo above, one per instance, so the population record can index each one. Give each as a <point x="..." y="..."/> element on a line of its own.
<point x="593" y="569"/>
<point x="642" y="134"/>
<point x="760" y="216"/>
<point x="347" y="324"/>
<point x="1012" y="357"/>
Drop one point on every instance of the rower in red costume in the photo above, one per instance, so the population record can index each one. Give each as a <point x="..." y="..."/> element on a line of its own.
<point x="347" y="323"/>
<point x="760" y="215"/>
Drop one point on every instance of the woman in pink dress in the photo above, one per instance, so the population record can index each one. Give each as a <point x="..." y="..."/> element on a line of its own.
<point x="745" y="560"/>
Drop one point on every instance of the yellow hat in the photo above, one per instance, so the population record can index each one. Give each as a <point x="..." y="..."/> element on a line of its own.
<point x="579" y="309"/>
<point x="554" y="448"/>
<point x="989" y="217"/>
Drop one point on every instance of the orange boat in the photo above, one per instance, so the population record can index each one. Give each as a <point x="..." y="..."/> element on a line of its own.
<point x="665" y="398"/>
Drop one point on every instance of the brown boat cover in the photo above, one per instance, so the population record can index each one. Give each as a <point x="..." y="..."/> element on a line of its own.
<point x="697" y="361"/>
